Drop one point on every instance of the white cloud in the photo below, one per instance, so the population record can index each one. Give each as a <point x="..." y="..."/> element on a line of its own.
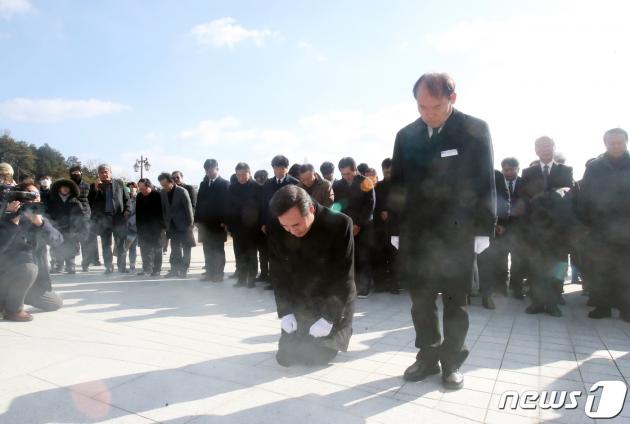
<point x="8" y="8"/>
<point x="366" y="135"/>
<point x="226" y="32"/>
<point x="55" y="110"/>
<point x="557" y="73"/>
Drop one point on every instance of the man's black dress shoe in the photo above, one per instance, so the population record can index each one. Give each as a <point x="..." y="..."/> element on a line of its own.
<point x="421" y="370"/>
<point x="453" y="380"/>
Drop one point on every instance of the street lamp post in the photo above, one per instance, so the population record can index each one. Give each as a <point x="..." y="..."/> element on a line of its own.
<point x="142" y="164"/>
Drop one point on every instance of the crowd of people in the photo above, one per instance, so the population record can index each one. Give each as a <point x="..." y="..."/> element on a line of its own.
<point x="441" y="220"/>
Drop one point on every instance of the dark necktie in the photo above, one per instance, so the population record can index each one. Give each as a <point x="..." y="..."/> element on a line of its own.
<point x="510" y="194"/>
<point x="546" y="176"/>
<point x="279" y="181"/>
<point x="434" y="134"/>
<point x="511" y="188"/>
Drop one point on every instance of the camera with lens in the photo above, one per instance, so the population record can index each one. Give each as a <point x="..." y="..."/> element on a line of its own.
<point x="8" y="195"/>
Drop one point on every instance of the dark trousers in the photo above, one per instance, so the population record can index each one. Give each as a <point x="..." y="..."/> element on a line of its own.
<point x="15" y="282"/>
<point x="451" y="351"/>
<point x="108" y="227"/>
<point x="66" y="252"/>
<point x="89" y="245"/>
<point x="214" y="253"/>
<point x="383" y="261"/>
<point x="151" y="256"/>
<point x="263" y="256"/>
<point x="180" y="251"/>
<point x="46" y="300"/>
<point x="245" y="249"/>
<point x="362" y="258"/>
<point x="493" y="265"/>
<point x="302" y="349"/>
<point x="610" y="277"/>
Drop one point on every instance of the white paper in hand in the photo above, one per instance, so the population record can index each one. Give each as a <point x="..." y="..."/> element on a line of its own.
<point x="395" y="241"/>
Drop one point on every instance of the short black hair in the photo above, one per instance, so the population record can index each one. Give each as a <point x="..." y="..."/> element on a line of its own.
<point x="288" y="197"/>
<point x="261" y="173"/>
<point x="347" y="162"/>
<point x="146" y="182"/>
<point x="210" y="163"/>
<point x="387" y="163"/>
<point x="280" y="160"/>
<point x="307" y="167"/>
<point x="327" y="168"/>
<point x="241" y="166"/>
<point x="75" y="168"/>
<point x="131" y="184"/>
<point x="438" y="84"/>
<point x="511" y="162"/>
<point x="362" y="167"/>
<point x="619" y="131"/>
<point x="294" y="171"/>
<point x="177" y="172"/>
<point x="165" y="176"/>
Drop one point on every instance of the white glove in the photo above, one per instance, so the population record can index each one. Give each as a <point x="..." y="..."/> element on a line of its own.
<point x="481" y="243"/>
<point x="288" y="323"/>
<point x="395" y="241"/>
<point x="321" y="328"/>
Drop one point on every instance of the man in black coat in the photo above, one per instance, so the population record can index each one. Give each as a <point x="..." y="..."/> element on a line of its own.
<point x="443" y="191"/>
<point x="244" y="224"/>
<point x="177" y="213"/>
<point x="493" y="263"/>
<point x="354" y="196"/>
<point x="384" y="254"/>
<point x="544" y="176"/>
<point x="150" y="225"/>
<point x="281" y="178"/>
<point x="210" y="217"/>
<point x="604" y="209"/>
<point x="178" y="177"/>
<point x="311" y="258"/>
<point x="108" y="202"/>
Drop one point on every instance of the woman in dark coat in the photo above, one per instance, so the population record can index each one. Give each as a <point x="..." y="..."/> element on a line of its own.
<point x="70" y="218"/>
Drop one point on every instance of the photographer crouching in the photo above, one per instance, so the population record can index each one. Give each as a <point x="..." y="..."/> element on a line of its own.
<point x="24" y="234"/>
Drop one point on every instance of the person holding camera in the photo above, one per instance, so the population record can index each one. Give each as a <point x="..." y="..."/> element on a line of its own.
<point x="24" y="276"/>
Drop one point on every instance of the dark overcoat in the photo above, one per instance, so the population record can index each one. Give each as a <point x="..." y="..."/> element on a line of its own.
<point x="149" y="219"/>
<point x="443" y="192"/>
<point x="212" y="206"/>
<point x="244" y="212"/>
<point x="314" y="275"/>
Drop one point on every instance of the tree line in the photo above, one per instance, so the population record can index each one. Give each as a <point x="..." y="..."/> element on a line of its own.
<point x="29" y="160"/>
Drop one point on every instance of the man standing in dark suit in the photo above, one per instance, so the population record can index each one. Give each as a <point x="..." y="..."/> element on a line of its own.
<point x="244" y="224"/>
<point x="493" y="263"/>
<point x="545" y="176"/>
<point x="210" y="216"/>
<point x="281" y="178"/>
<point x="354" y="196"/>
<point x="178" y="177"/>
<point x="311" y="262"/>
<point x="604" y="209"/>
<point x="108" y="203"/>
<point x="150" y="224"/>
<point x="178" y="221"/>
<point x="443" y="190"/>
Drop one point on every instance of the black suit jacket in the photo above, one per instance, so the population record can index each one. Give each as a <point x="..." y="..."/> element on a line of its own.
<point x="443" y="192"/>
<point x="120" y="197"/>
<point x="357" y="200"/>
<point x="507" y="205"/>
<point x="560" y="176"/>
<point x="212" y="204"/>
<point x="268" y="190"/>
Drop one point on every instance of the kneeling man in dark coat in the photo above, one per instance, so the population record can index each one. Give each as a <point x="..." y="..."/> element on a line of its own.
<point x="311" y="259"/>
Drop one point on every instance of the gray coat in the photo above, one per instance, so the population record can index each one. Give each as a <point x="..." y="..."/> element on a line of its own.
<point x="178" y="215"/>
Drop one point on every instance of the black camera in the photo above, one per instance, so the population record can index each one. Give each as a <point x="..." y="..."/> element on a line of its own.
<point x="20" y="196"/>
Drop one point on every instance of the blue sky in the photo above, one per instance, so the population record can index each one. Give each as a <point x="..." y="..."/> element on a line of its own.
<point x="315" y="80"/>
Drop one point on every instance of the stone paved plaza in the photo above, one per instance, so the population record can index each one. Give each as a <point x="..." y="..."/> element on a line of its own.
<point x="131" y="350"/>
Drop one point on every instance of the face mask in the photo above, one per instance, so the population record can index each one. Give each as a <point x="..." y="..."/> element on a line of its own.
<point x="45" y="183"/>
<point x="76" y="178"/>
